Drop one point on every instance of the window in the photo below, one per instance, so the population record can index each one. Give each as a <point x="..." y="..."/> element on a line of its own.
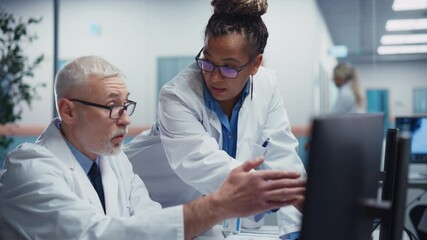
<point x="420" y="100"/>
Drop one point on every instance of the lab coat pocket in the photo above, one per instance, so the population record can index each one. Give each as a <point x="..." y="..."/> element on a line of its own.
<point x="257" y="151"/>
<point x="253" y="222"/>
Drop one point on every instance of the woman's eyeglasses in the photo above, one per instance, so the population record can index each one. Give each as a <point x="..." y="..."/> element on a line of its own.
<point x="227" y="72"/>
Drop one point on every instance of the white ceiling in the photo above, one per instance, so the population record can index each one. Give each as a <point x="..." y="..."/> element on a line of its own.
<point x="359" y="24"/>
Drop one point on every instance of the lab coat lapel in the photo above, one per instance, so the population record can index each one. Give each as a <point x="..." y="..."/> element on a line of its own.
<point x="87" y="189"/>
<point x="110" y="185"/>
<point x="246" y="134"/>
<point x="55" y="143"/>
<point x="215" y="126"/>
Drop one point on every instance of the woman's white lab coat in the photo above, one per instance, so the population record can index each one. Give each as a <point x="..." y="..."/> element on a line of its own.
<point x="45" y="194"/>
<point x="192" y="134"/>
<point x="346" y="101"/>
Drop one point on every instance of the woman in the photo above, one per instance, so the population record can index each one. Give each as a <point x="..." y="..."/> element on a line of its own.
<point x="226" y="108"/>
<point x="349" y="99"/>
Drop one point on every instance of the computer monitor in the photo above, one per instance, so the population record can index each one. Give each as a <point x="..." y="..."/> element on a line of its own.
<point x="343" y="171"/>
<point x="417" y="127"/>
<point x="398" y="146"/>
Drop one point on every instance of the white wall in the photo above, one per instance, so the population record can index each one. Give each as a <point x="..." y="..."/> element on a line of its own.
<point x="297" y="45"/>
<point x="399" y="78"/>
<point x="122" y="40"/>
<point x="174" y="28"/>
<point x="134" y="33"/>
<point x="137" y="33"/>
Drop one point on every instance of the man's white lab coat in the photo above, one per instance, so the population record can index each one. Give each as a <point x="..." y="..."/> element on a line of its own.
<point x="45" y="194"/>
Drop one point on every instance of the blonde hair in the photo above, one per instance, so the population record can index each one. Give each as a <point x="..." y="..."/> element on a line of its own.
<point x="346" y="72"/>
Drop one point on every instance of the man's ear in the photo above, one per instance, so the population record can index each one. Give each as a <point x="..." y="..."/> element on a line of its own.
<point x="66" y="110"/>
<point x="256" y="64"/>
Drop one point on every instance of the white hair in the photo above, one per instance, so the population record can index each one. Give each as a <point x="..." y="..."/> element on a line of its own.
<point x="79" y="71"/>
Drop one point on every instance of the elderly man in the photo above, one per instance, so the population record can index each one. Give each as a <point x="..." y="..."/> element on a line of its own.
<point x="76" y="183"/>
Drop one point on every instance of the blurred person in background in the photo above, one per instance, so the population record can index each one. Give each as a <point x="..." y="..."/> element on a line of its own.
<point x="349" y="99"/>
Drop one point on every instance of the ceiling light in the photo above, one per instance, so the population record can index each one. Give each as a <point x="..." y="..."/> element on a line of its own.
<point x="403" y="5"/>
<point x="402" y="49"/>
<point x="404" y="39"/>
<point x="406" y="24"/>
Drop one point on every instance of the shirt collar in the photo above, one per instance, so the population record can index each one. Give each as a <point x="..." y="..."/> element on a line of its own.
<point x="83" y="160"/>
<point x="213" y="104"/>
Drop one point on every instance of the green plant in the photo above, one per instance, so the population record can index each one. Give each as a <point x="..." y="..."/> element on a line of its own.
<point x="15" y="70"/>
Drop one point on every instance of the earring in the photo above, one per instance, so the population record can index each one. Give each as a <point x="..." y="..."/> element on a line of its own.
<point x="252" y="85"/>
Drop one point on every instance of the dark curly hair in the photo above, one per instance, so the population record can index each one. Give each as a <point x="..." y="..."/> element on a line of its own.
<point x="242" y="17"/>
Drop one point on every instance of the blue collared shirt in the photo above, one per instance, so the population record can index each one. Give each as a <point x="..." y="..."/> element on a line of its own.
<point x="229" y="126"/>
<point x="290" y="236"/>
<point x="84" y="161"/>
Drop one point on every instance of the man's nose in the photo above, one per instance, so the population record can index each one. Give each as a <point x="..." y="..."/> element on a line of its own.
<point x="124" y="118"/>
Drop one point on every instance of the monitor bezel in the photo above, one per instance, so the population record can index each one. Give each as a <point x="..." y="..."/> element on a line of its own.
<point x="343" y="172"/>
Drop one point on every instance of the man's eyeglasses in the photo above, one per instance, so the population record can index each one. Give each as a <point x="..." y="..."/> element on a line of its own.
<point x="115" y="111"/>
<point x="227" y="72"/>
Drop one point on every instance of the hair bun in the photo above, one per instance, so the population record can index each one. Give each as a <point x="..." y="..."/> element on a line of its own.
<point x="240" y="7"/>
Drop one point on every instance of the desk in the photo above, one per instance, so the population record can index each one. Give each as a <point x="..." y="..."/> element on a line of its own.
<point x="414" y="183"/>
<point x="247" y="236"/>
<point x="215" y="233"/>
<point x="417" y="183"/>
<point x="267" y="232"/>
<point x="376" y="235"/>
<point x="243" y="236"/>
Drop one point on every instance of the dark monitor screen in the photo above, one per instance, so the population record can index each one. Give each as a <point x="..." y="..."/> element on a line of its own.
<point x="417" y="126"/>
<point x="343" y="170"/>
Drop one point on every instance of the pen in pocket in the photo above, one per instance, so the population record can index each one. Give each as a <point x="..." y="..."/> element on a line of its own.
<point x="265" y="143"/>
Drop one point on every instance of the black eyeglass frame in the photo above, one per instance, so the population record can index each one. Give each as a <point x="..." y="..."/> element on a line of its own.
<point x="124" y="106"/>
<point x="238" y="69"/>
